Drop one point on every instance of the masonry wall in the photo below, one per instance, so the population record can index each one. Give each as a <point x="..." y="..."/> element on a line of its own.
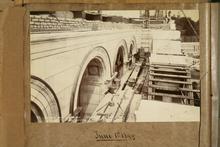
<point x="39" y="23"/>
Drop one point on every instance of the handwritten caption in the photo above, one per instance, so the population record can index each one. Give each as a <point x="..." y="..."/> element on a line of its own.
<point x="115" y="136"/>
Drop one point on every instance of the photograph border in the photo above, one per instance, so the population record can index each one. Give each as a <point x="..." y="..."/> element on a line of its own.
<point x="15" y="80"/>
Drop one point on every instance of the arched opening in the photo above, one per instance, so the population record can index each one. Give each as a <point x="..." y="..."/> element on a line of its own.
<point x="91" y="83"/>
<point x="119" y="63"/>
<point x="36" y="113"/>
<point x="91" y="89"/>
<point x="33" y="117"/>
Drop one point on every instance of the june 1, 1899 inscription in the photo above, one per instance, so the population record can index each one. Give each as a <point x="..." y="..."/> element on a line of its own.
<point x="116" y="136"/>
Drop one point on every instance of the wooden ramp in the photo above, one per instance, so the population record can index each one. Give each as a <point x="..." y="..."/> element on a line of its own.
<point x="115" y="107"/>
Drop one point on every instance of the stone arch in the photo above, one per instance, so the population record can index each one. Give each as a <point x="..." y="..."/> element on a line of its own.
<point x="121" y="55"/>
<point x="131" y="52"/>
<point x="45" y="106"/>
<point x="94" y="71"/>
<point x="134" y="43"/>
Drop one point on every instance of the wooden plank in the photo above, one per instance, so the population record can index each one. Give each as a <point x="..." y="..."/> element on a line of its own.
<point x="150" y="89"/>
<point x="170" y="76"/>
<point x="104" y="108"/>
<point x="190" y="87"/>
<point x="134" y="74"/>
<point x="172" y="88"/>
<point x="145" y="88"/>
<point x="168" y="70"/>
<point x="95" y="117"/>
<point x="121" y="102"/>
<point x="116" y="113"/>
<point x="112" y="78"/>
<point x="124" y="106"/>
<point x="141" y="80"/>
<point x="169" y="67"/>
<point x="170" y="95"/>
<point x="170" y="81"/>
<point x="115" y="108"/>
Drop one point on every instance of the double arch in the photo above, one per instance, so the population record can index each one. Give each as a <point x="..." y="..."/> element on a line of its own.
<point x="96" y="67"/>
<point x="99" y="61"/>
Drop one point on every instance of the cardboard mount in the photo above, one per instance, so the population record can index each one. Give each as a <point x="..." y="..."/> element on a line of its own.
<point x="15" y="127"/>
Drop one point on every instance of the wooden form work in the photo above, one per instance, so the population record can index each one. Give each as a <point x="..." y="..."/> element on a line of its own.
<point x="174" y="75"/>
<point x="15" y="126"/>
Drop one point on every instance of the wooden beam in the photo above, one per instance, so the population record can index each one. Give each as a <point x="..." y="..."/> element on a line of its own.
<point x="165" y="64"/>
<point x="171" y="95"/>
<point x="141" y="80"/>
<point x="124" y="106"/>
<point x="134" y="74"/>
<point x="170" y="81"/>
<point x="172" y="88"/>
<point x="118" y="99"/>
<point x="169" y="67"/>
<point x="101" y="108"/>
<point x="170" y="76"/>
<point x="149" y="88"/>
<point x="112" y="78"/>
<point x="167" y="70"/>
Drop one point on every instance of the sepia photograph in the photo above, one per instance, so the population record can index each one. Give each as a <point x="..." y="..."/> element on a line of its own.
<point x="111" y="66"/>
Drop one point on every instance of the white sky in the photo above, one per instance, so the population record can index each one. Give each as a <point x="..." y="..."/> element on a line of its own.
<point x="124" y="13"/>
<point x="194" y="14"/>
